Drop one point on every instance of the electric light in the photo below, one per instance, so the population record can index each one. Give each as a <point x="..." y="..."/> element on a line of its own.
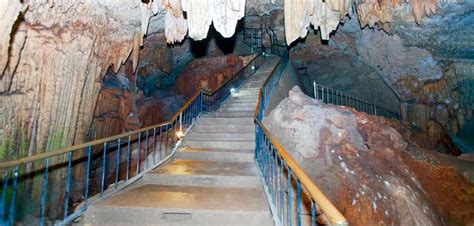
<point x="179" y="134"/>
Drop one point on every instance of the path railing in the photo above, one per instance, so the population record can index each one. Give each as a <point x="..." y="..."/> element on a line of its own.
<point x="275" y="47"/>
<point x="337" y="97"/>
<point x="293" y="197"/>
<point x="49" y="182"/>
<point x="253" y="37"/>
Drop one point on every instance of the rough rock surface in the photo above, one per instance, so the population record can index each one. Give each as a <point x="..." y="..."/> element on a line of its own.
<point x="394" y="61"/>
<point x="361" y="163"/>
<point x="326" y="15"/>
<point x="207" y="73"/>
<point x="432" y="91"/>
<point x="50" y="83"/>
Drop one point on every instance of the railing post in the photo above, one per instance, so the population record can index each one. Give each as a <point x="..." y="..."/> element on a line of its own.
<point x="314" y="90"/>
<point x="11" y="213"/>
<point x="181" y="121"/>
<point x="201" y="99"/>
<point x="375" y="109"/>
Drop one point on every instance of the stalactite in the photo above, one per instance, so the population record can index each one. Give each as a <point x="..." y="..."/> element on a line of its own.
<point x="175" y="28"/>
<point x="198" y="18"/>
<point x="325" y="15"/>
<point x="145" y="17"/>
<point x="9" y="12"/>
<point x="299" y="14"/>
<point x="137" y="42"/>
<point x="224" y="14"/>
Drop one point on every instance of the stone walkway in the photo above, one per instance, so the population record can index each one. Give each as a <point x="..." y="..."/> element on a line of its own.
<point x="212" y="179"/>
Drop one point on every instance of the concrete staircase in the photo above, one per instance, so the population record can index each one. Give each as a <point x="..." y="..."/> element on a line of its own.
<point x="212" y="179"/>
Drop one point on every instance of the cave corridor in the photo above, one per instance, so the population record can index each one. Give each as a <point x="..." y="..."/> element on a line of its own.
<point x="236" y="112"/>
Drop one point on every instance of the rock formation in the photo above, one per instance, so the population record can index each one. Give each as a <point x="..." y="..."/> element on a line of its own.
<point x="366" y="166"/>
<point x="325" y="16"/>
<point x="207" y="74"/>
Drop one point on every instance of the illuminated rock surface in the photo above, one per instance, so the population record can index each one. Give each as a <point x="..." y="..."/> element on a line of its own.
<point x="74" y="71"/>
<point x="372" y="172"/>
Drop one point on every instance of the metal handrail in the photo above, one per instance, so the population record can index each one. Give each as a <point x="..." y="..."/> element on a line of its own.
<point x="337" y="97"/>
<point x="45" y="155"/>
<point x="326" y="206"/>
<point x="42" y="156"/>
<point x="97" y="153"/>
<point x="277" y="154"/>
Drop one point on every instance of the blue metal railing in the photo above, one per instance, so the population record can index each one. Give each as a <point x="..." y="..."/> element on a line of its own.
<point x="272" y="81"/>
<point x="92" y="171"/>
<point x="337" y="97"/>
<point x="122" y="158"/>
<point x="293" y="198"/>
<point x="214" y="100"/>
<point x="253" y="37"/>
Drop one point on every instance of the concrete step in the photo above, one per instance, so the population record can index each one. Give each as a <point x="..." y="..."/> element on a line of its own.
<point x="223" y="144"/>
<point x="216" y="155"/>
<point x="235" y="136"/>
<point x="242" y="99"/>
<point x="203" y="173"/>
<point x="152" y="204"/>
<point x="198" y="128"/>
<point x="234" y="114"/>
<point x="250" y="88"/>
<point x="248" y="95"/>
<point x="237" y="108"/>
<point x="240" y="105"/>
<point x="248" y="104"/>
<point x="247" y="91"/>
<point x="213" y="120"/>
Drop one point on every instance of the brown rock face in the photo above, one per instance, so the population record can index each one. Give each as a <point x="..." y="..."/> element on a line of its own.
<point x="54" y="83"/>
<point x="207" y="73"/>
<point x="366" y="167"/>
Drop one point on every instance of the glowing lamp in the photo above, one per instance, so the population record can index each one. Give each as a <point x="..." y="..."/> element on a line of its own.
<point x="179" y="134"/>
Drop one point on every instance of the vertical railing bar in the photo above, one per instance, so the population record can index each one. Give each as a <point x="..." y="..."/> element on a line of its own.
<point x="139" y="150"/>
<point x="289" y="187"/>
<point x="44" y="187"/>
<point x="276" y="180"/>
<point x="86" y="195"/>
<point x="117" y="163"/>
<point x="11" y="213"/>
<point x="154" y="146"/>
<point x="104" y="162"/>
<point x="128" y="159"/>
<point x="298" y="201"/>
<point x="161" y="142"/>
<point x="282" y="190"/>
<point x="166" y="141"/>
<point x="68" y="184"/>
<point x="4" y="195"/>
<point x="145" y="167"/>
